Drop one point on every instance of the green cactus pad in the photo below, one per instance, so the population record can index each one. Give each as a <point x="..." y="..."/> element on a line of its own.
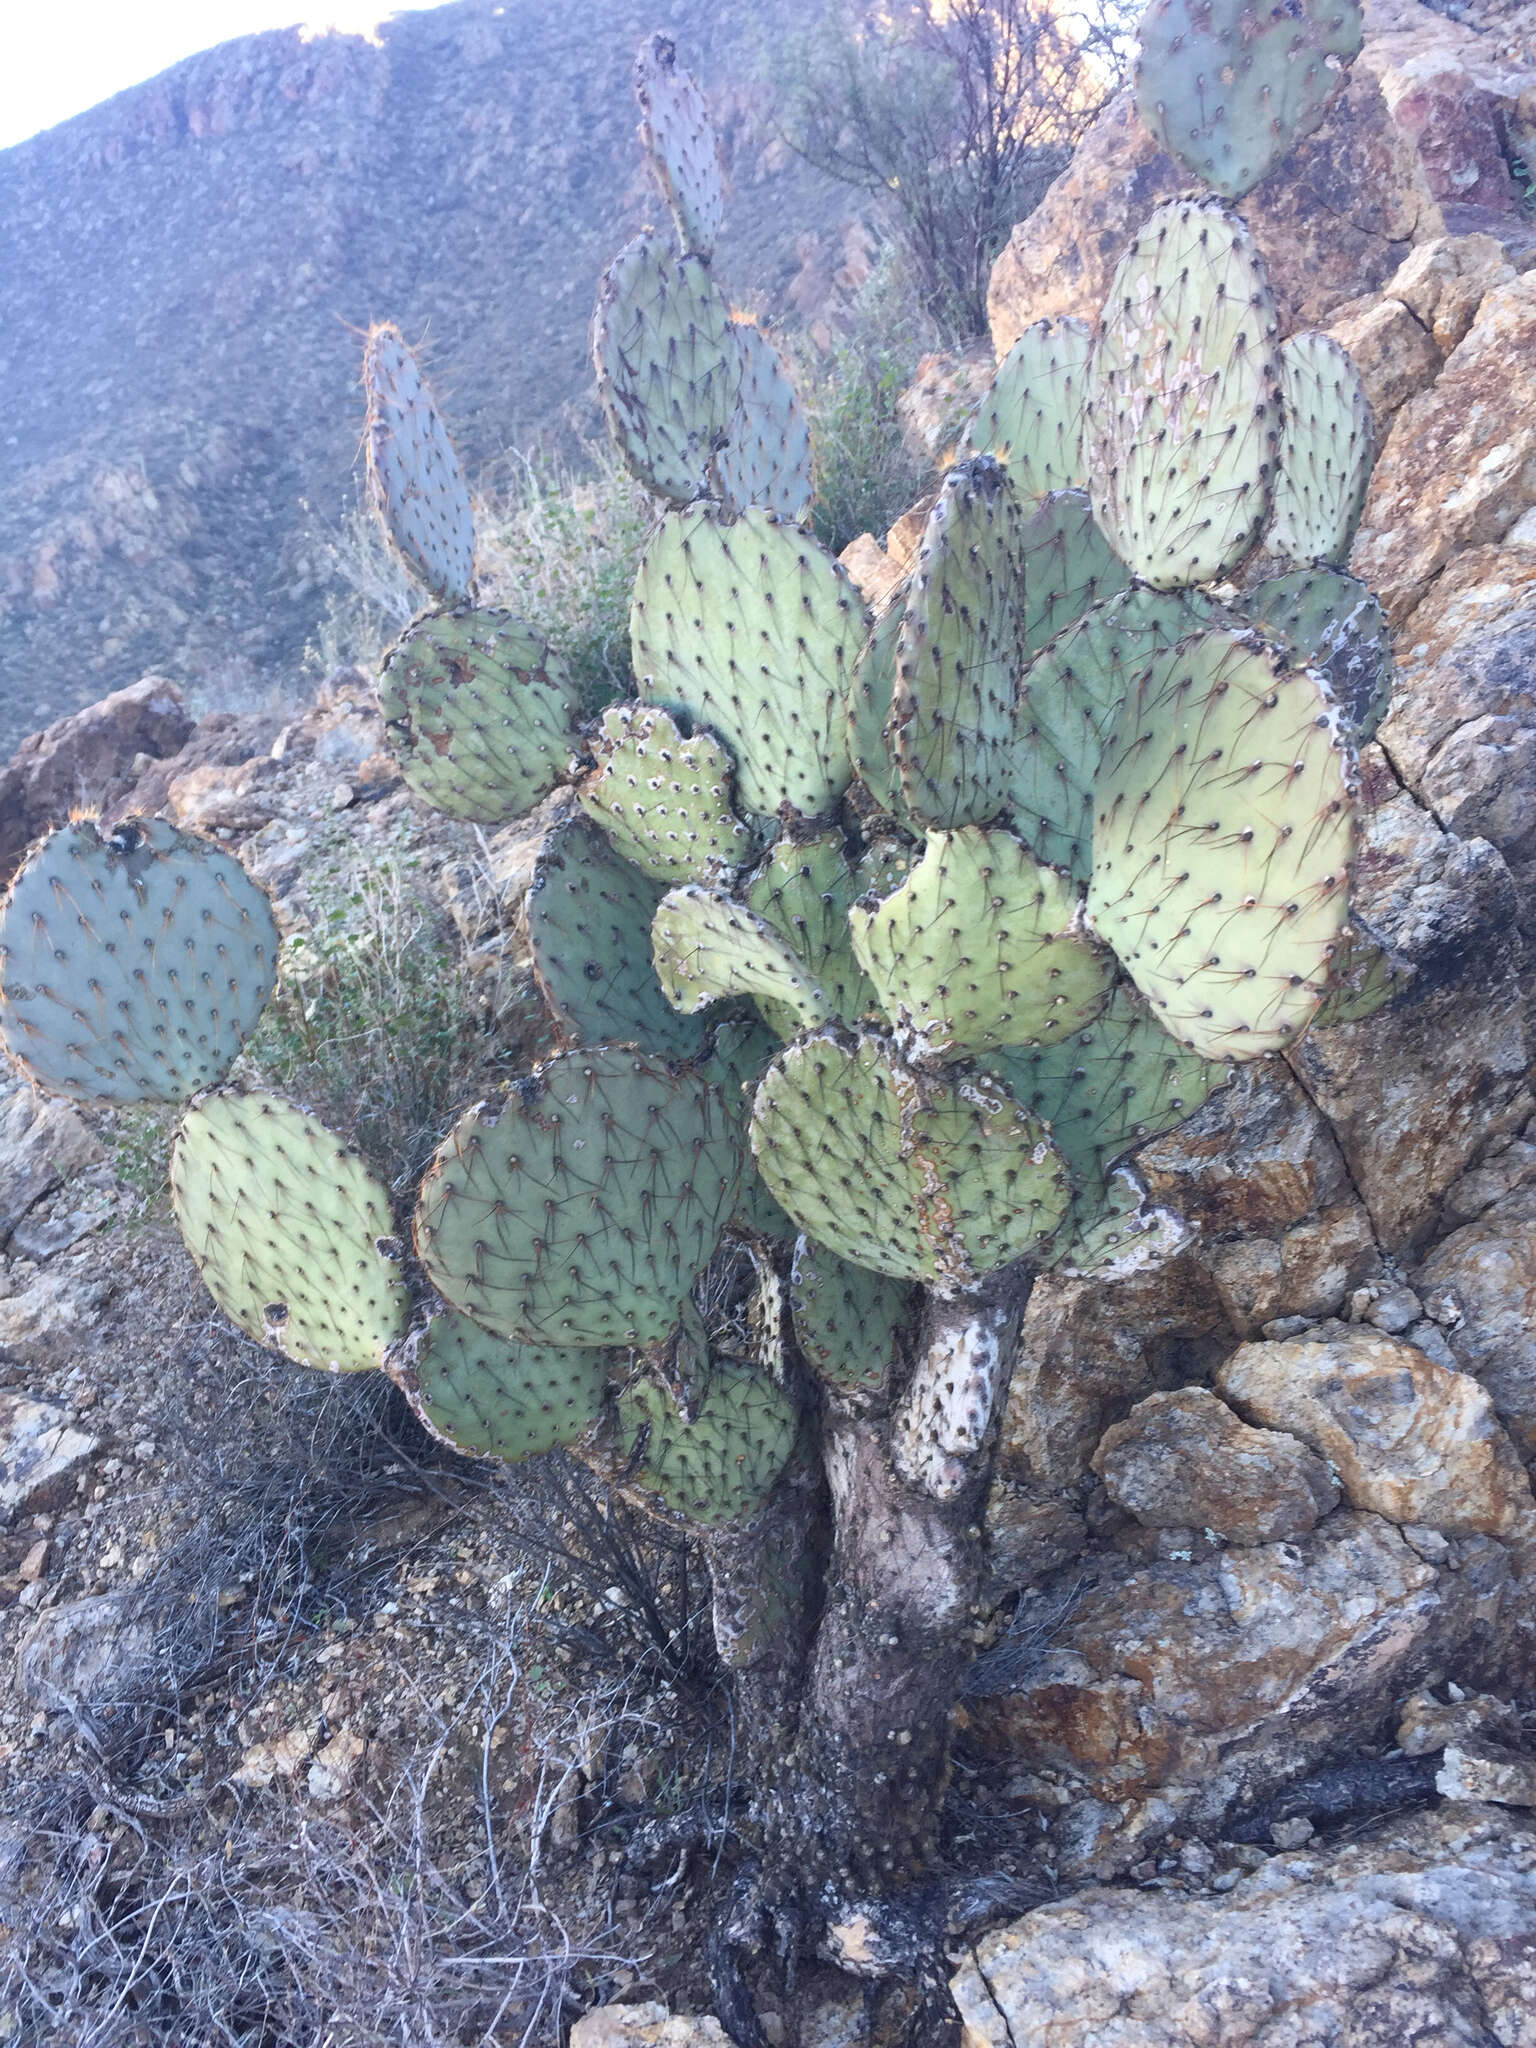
<point x="1327" y="448"/>
<point x="922" y="1177"/>
<point x="664" y="798"/>
<point x="493" y="1399"/>
<point x="766" y="459"/>
<point x="1223" y="837"/>
<point x="582" y="1207"/>
<point x="1113" y="1232"/>
<point x="870" y="691"/>
<point x="1032" y="417"/>
<point x="752" y="628"/>
<point x="1069" y="699"/>
<point x="707" y="946"/>
<point x="1333" y="624"/>
<point x="1366" y="977"/>
<point x="742" y="1050"/>
<point x="958" y="651"/>
<point x="1183" y="408"/>
<point x="721" y="1467"/>
<point x="980" y="947"/>
<point x="290" y="1231"/>
<point x="479" y="711"/>
<point x="1111" y="1086"/>
<point x="679" y="138"/>
<point x="588" y="919"/>
<point x="1068" y="567"/>
<point x="414" y="478"/>
<point x="804" y="890"/>
<point x="667" y="363"/>
<point x="1229" y="87"/>
<point x="848" y="1321"/>
<point x="133" y="963"/>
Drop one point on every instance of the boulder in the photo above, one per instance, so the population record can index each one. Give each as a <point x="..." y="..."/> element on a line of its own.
<point x="41" y="1454"/>
<point x="645" y="2026"/>
<point x="1452" y="94"/>
<point x="1404" y="1437"/>
<point x="1394" y="352"/>
<point x="42" y="1143"/>
<point x="1183" y="1459"/>
<point x="1424" y="1931"/>
<point x="1481" y="1280"/>
<point x="1442" y="284"/>
<point x="935" y="406"/>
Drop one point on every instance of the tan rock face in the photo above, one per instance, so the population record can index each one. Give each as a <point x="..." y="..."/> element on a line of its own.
<point x="1332" y="222"/>
<point x="1445" y="281"/>
<point x="1484" y="1275"/>
<point x="1394" y="352"/>
<point x="871" y="569"/>
<point x="1407" y="1438"/>
<point x="1424" y="1932"/>
<point x="41" y="1451"/>
<point x="1428" y="1724"/>
<point x="940" y="399"/>
<point x="645" y="2026"/>
<point x="42" y="1142"/>
<point x="1184" y="1460"/>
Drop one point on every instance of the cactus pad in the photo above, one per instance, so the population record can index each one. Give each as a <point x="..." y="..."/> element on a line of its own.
<point x="980" y="947"/>
<point x="1114" y="1231"/>
<point x="1223" y="837"/>
<point x="1183" y="408"/>
<point x="707" y="946"/>
<point x="737" y="1062"/>
<point x="679" y="138"/>
<point x="1068" y="566"/>
<point x="588" y="919"/>
<point x="958" y="651"/>
<point x="1032" y="417"/>
<point x="290" y="1231"/>
<point x="848" y="1321"/>
<point x="133" y="964"/>
<point x="766" y="459"/>
<point x="664" y="799"/>
<point x="752" y="628"/>
<point x="719" y="1468"/>
<point x="1333" y="624"/>
<point x="804" y="890"/>
<point x="580" y="1209"/>
<point x="1229" y="87"/>
<point x="479" y="712"/>
<point x="667" y="363"/>
<point x="493" y="1399"/>
<point x="870" y="690"/>
<point x="919" y="1177"/>
<point x="1327" y="448"/>
<point x="414" y="478"/>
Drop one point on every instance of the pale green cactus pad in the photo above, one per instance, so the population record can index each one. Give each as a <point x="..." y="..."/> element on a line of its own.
<point x="766" y="459"/>
<point x="1223" y="837"/>
<point x="981" y="946"/>
<point x="134" y="963"/>
<point x="1183" y="408"/>
<point x="719" y="1468"/>
<point x="804" y="889"/>
<point x="582" y="1207"/>
<point x="588" y="919"/>
<point x="667" y="365"/>
<point x="492" y="1399"/>
<point x="752" y="628"/>
<point x="707" y="946"/>
<point x="679" y="138"/>
<point x="737" y="1062"/>
<point x="1068" y="567"/>
<point x="1333" y="624"/>
<point x="1069" y="698"/>
<point x="1113" y="1231"/>
<point x="1327" y="448"/>
<point x="848" y="1321"/>
<point x="922" y="1177"/>
<point x="958" y="651"/>
<point x="479" y="711"/>
<point x="1366" y="977"/>
<point x="1032" y="418"/>
<point x="290" y="1231"/>
<point x="1229" y="87"/>
<point x="664" y="797"/>
<point x="414" y="478"/>
<point x="870" y="691"/>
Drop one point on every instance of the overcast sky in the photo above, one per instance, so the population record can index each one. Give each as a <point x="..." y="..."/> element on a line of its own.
<point x="62" y="56"/>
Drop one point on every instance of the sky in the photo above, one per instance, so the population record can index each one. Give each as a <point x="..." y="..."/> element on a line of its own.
<point x="62" y="56"/>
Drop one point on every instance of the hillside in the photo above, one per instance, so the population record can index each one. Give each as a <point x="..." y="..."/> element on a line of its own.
<point x="185" y="267"/>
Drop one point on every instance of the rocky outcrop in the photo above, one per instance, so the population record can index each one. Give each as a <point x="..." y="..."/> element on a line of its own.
<point x="1482" y="1280"/>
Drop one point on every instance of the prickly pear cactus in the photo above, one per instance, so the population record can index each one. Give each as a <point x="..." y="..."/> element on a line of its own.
<point x="493" y="1399"/>
<point x="134" y="963"/>
<point x="804" y="890"/>
<point x="1032" y="417"/>
<point x="1333" y="624"/>
<point x="1068" y="567"/>
<point x="848" y="1321"/>
<point x="706" y="947"/>
<point x="719" y="1468"/>
<point x="679" y="139"/>
<point x="766" y="459"/>
<point x="414" y="477"/>
<point x="1326" y="452"/>
<point x="664" y="797"/>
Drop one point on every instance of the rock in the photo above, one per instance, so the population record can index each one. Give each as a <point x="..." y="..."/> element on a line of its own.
<point x="1450" y="95"/>
<point x="645" y="2026"/>
<point x="52" y="1309"/>
<point x="1485" y="1274"/>
<point x="1029" y="1536"/>
<point x="331" y="1773"/>
<point x="41" y="1453"/>
<point x="1184" y="1459"/>
<point x="872" y="569"/>
<point x="1428" y="1724"/>
<point x="1394" y="352"/>
<point x="1486" y="1772"/>
<point x="82" y="762"/>
<point x="1404" y="1437"/>
<point x="1474" y="592"/>
<point x="281" y="1758"/>
<point x="223" y="739"/>
<point x="1395" y="1310"/>
<point x="1423" y="1932"/>
<point x="1443" y="283"/>
<point x="934" y="408"/>
<point x="83" y="1653"/>
<point x="1459" y="465"/>
<point x="216" y="798"/>
<point x="1335" y="220"/>
<point x="1509" y="1167"/>
<point x="42" y="1143"/>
